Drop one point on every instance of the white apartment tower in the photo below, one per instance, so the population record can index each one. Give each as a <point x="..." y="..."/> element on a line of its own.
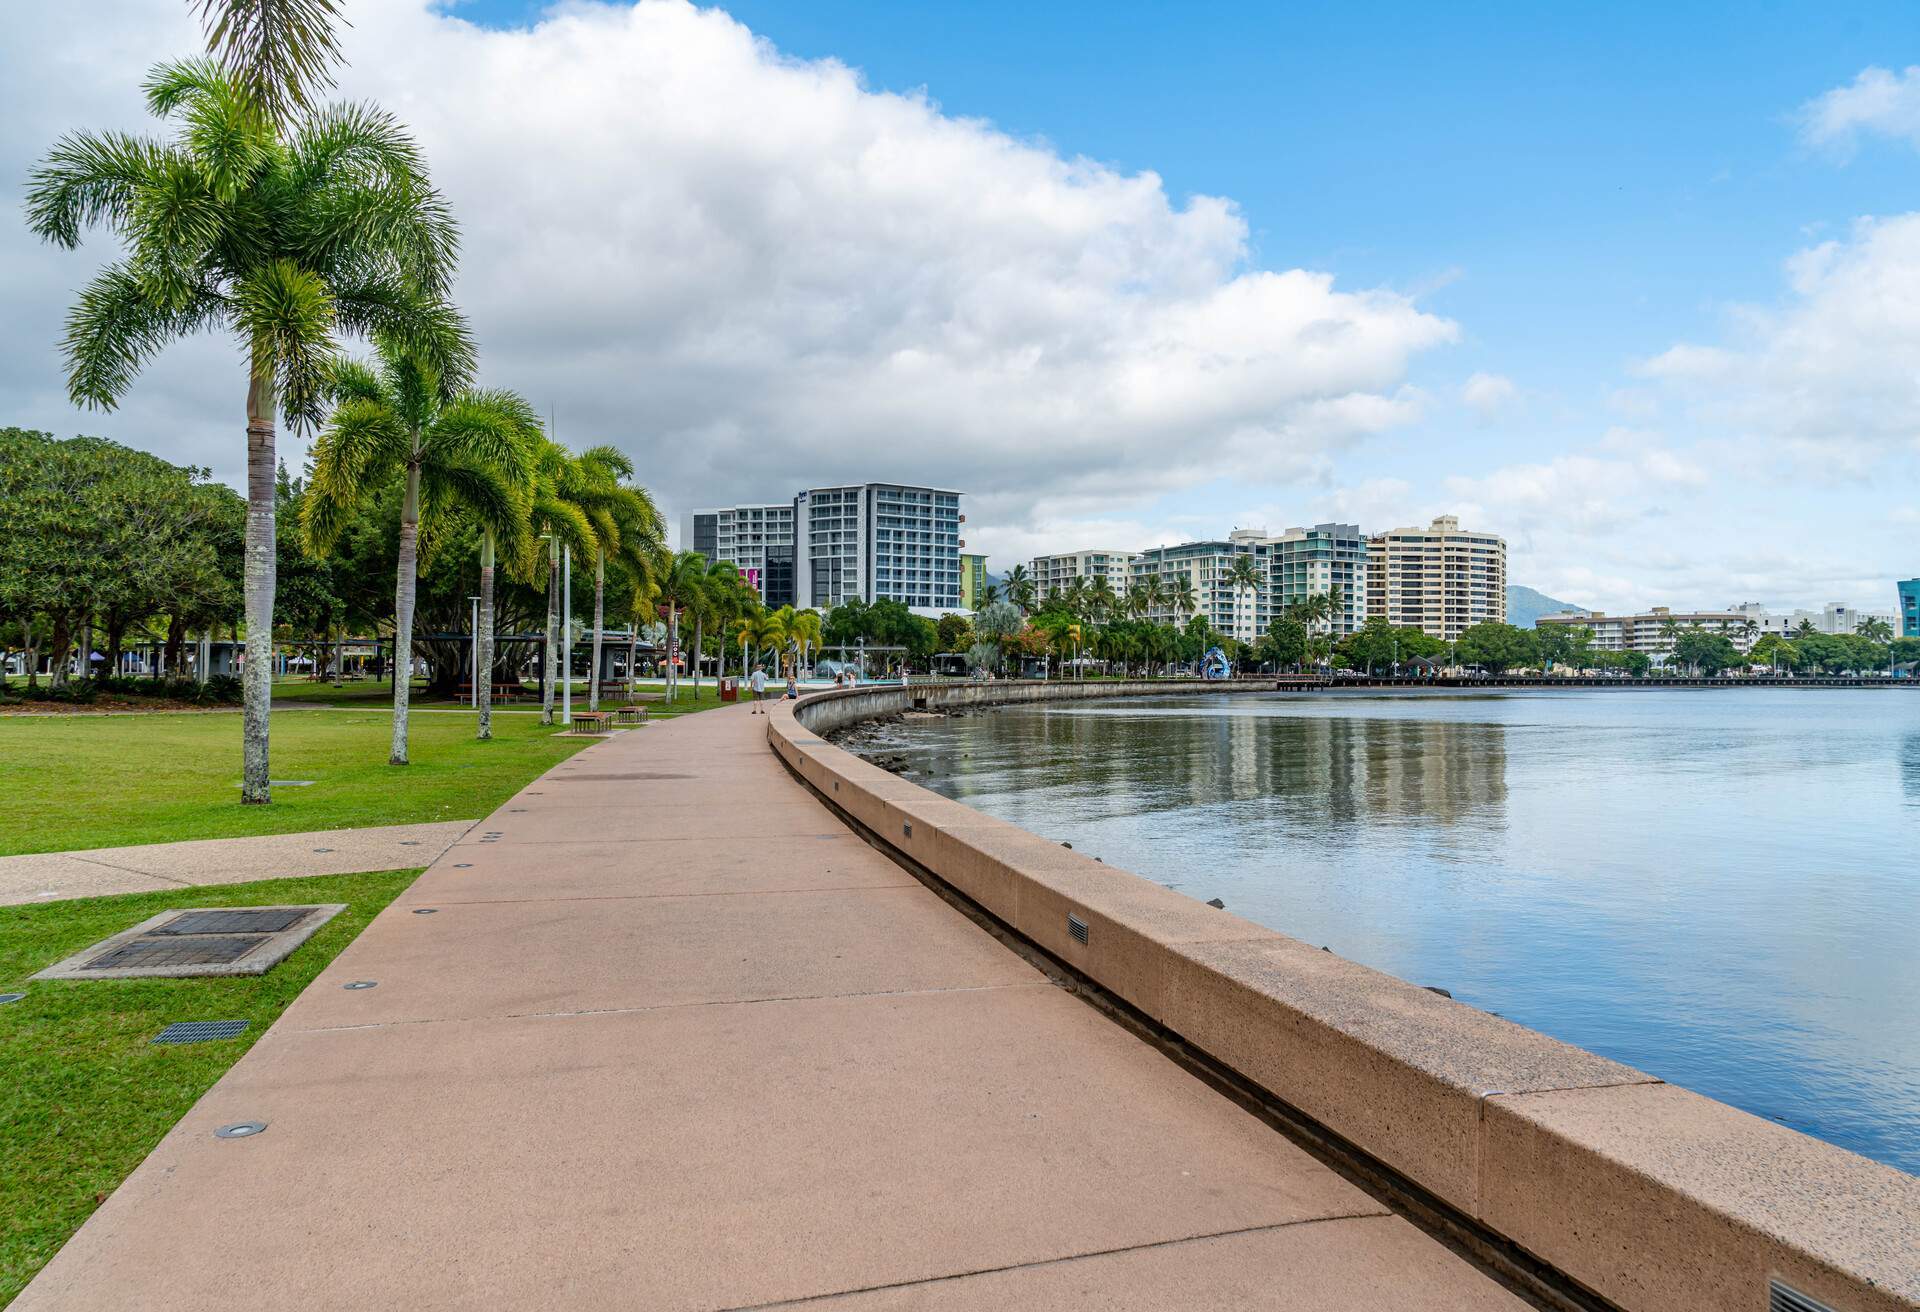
<point x="1442" y="578"/>
<point x="877" y="541"/>
<point x="1055" y="574"/>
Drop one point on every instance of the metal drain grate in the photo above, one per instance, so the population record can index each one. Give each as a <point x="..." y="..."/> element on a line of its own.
<point x="234" y="922"/>
<point x="198" y="941"/>
<point x="1077" y="928"/>
<point x="200" y="1031"/>
<point x="146" y="953"/>
<point x="1784" y="1298"/>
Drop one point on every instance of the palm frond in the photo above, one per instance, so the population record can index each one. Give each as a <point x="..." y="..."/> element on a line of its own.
<point x="116" y="327"/>
<point x="362" y="446"/>
<point x="453" y="492"/>
<point x="567" y="522"/>
<point x="280" y="51"/>
<point x="408" y="322"/>
<point x="355" y="379"/>
<point x="89" y="178"/>
<point x="287" y="313"/>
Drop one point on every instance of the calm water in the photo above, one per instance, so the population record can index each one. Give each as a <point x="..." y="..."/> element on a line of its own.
<point x="1718" y="887"/>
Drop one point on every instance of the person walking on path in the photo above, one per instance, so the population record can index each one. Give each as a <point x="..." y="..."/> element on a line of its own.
<point x="759" y="685"/>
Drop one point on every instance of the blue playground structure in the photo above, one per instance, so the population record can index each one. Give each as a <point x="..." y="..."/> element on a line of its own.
<point x="1214" y="664"/>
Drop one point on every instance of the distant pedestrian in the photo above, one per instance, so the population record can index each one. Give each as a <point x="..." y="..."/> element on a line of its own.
<point x="759" y="685"/>
<point x="793" y="685"/>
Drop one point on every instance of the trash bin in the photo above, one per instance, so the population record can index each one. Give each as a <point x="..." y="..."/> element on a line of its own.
<point x="729" y="689"/>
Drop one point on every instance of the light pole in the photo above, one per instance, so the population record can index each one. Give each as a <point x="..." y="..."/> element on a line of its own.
<point x="473" y="655"/>
<point x="566" y="633"/>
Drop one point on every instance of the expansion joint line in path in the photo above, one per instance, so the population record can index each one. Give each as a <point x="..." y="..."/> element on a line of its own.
<point x="1059" y="1261"/>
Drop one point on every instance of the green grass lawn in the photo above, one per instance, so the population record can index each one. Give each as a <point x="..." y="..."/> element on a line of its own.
<point x="86" y="1096"/>
<point x="71" y="782"/>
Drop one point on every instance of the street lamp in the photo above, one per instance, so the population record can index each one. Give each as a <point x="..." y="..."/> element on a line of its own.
<point x="566" y="633"/>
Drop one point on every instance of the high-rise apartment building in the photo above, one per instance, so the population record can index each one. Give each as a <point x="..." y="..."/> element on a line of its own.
<point x="1325" y="560"/>
<point x="1442" y="578"/>
<point x="877" y="541"/>
<point x="1236" y="610"/>
<point x="1052" y="574"/>
<point x="1834" y="617"/>
<point x="973" y="580"/>
<point x="1909" y="590"/>
<point x="757" y="539"/>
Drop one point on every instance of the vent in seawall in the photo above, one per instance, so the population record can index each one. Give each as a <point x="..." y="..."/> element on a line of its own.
<point x="1784" y="1298"/>
<point x="1077" y="928"/>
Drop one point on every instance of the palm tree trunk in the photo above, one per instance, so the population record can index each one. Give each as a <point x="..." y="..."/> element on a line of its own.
<point x="553" y="631"/>
<point x="483" y="655"/>
<point x="256" y="718"/>
<point x="599" y="617"/>
<point x="403" y="590"/>
<point x="633" y="648"/>
<point x="699" y="641"/>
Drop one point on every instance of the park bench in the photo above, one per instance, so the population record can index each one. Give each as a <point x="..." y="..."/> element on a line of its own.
<point x="502" y="692"/>
<point x="629" y="715"/>
<point x="592" y="721"/>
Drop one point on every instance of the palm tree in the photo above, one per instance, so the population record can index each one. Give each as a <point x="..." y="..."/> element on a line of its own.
<point x="560" y="497"/>
<point x="989" y="595"/>
<point x="718" y="591"/>
<point x="396" y="421"/>
<point x="682" y="588"/>
<point x="1874" y="629"/>
<point x="1075" y="596"/>
<point x="1244" y="573"/>
<point x="1019" y="588"/>
<point x="641" y="602"/>
<point x="626" y="525"/>
<point x="286" y="240"/>
<point x="1101" y="598"/>
<point x="804" y="627"/>
<point x="763" y="630"/>
<point x="1137" y="601"/>
<point x="1181" y="596"/>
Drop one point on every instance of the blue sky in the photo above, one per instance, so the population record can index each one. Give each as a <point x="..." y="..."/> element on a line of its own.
<point x="1628" y="284"/>
<point x="1578" y="187"/>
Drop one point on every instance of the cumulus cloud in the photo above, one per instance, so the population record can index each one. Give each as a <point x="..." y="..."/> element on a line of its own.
<point x="757" y="274"/>
<point x="1827" y="375"/>
<point x="1488" y="394"/>
<point x="1878" y="102"/>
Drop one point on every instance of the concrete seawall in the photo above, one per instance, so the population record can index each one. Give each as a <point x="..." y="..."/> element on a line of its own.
<point x="1651" y="1196"/>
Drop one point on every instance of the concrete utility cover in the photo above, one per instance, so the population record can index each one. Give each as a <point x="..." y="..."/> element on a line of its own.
<point x="198" y="941"/>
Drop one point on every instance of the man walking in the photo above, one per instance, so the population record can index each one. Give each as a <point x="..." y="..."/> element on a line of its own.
<point x="759" y="685"/>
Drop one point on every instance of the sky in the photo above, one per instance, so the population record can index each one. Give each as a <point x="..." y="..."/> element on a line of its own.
<point x="1636" y="286"/>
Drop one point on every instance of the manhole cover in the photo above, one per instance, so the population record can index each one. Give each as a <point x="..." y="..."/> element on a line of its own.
<point x="234" y="922"/>
<point x="214" y="950"/>
<point x="198" y="941"/>
<point x="200" y="1031"/>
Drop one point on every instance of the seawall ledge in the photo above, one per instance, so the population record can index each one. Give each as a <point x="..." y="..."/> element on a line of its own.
<point x="1651" y="1196"/>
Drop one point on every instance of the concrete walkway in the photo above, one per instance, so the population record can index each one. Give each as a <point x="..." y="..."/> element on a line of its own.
<point x="674" y="1038"/>
<point x="55" y="876"/>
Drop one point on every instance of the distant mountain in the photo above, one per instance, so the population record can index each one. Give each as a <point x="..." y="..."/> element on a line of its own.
<point x="1524" y="606"/>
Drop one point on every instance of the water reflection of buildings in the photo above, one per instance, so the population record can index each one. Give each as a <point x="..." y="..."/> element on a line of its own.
<point x="1325" y="770"/>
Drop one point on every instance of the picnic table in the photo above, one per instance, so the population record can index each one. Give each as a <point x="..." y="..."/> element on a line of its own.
<point x="592" y="721"/>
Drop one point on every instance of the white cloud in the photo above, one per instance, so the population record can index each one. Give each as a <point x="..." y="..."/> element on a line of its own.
<point x="756" y="274"/>
<point x="1488" y="394"/>
<point x="1828" y="375"/>
<point x="1878" y="101"/>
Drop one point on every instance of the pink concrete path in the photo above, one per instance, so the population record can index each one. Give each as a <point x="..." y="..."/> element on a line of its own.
<point x="676" y="1039"/>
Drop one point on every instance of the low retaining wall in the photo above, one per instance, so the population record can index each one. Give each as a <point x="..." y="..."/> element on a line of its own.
<point x="1654" y="1197"/>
